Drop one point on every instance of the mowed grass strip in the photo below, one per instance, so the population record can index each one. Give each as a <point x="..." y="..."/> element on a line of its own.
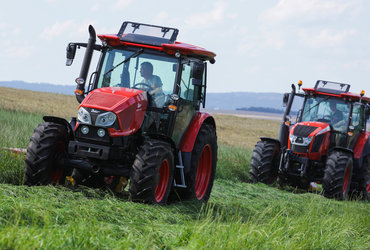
<point x="238" y="215"/>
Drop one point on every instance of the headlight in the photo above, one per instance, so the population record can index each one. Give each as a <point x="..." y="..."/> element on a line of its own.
<point x="307" y="141"/>
<point x="302" y="141"/>
<point x="84" y="116"/>
<point x="292" y="138"/>
<point x="106" y="119"/>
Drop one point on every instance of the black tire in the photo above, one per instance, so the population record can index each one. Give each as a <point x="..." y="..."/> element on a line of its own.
<point x="199" y="180"/>
<point x="152" y="173"/>
<point x="48" y="142"/>
<point x="360" y="185"/>
<point x="264" y="163"/>
<point x="337" y="175"/>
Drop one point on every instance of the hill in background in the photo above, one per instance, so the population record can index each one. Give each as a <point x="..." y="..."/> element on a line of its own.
<point x="214" y="101"/>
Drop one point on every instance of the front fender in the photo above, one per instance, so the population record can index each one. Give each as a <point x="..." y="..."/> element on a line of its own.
<point x="187" y="143"/>
<point x="63" y="122"/>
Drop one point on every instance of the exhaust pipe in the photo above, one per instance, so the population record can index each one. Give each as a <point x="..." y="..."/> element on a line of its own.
<point x="284" y="128"/>
<point x="81" y="80"/>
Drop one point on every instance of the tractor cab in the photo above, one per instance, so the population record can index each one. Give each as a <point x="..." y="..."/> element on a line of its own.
<point x="138" y="119"/>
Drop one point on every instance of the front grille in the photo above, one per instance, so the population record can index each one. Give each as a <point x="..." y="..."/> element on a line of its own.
<point x="299" y="149"/>
<point x="317" y="143"/>
<point x="304" y="131"/>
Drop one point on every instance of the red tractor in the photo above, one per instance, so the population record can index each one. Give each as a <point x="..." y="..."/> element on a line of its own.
<point x="328" y="143"/>
<point x="138" y="120"/>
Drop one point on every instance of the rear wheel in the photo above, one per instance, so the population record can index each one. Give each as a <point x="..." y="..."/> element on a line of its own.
<point x="360" y="185"/>
<point x="199" y="180"/>
<point x="264" y="164"/>
<point x="337" y="175"/>
<point x="47" y="144"/>
<point x="152" y="173"/>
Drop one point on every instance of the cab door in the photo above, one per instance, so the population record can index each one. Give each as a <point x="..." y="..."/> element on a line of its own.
<point x="189" y="98"/>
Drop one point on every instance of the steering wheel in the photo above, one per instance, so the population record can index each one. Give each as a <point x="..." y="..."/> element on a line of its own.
<point x="325" y="119"/>
<point x="143" y="84"/>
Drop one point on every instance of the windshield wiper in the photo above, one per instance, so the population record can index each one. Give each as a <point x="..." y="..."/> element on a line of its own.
<point x="125" y="61"/>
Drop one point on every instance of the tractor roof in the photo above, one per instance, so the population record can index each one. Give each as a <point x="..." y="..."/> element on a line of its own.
<point x="335" y="89"/>
<point x="155" y="37"/>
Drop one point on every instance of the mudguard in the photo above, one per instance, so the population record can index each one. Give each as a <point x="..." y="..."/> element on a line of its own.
<point x="187" y="143"/>
<point x="362" y="148"/>
<point x="63" y="122"/>
<point x="271" y="139"/>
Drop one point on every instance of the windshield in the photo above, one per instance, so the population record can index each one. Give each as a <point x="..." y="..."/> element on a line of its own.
<point x="327" y="109"/>
<point x="138" y="69"/>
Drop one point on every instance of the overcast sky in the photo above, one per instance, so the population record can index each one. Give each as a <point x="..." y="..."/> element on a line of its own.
<point x="261" y="46"/>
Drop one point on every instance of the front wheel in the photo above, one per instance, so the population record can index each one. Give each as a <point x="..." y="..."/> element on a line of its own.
<point x="47" y="144"/>
<point x="152" y="173"/>
<point x="337" y="175"/>
<point x="264" y="163"/>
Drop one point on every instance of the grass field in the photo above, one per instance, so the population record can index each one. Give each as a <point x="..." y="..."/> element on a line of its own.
<point x="238" y="215"/>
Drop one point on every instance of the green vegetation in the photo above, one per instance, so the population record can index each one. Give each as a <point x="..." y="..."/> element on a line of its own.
<point x="238" y="215"/>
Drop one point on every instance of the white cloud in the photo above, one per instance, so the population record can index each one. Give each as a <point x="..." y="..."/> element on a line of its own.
<point x="217" y="13"/>
<point x="324" y="38"/>
<point x="121" y="4"/>
<point x="95" y="7"/>
<point x="286" y="10"/>
<point x="68" y="27"/>
<point x="57" y="29"/>
<point x="19" y="51"/>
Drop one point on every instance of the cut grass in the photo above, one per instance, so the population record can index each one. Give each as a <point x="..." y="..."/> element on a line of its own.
<point x="238" y="215"/>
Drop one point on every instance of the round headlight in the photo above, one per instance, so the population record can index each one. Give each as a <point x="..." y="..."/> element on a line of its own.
<point x="84" y="130"/>
<point x="101" y="132"/>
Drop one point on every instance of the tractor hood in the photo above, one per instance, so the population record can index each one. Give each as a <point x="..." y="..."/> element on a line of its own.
<point x="310" y="139"/>
<point x="129" y="106"/>
<point x="309" y="129"/>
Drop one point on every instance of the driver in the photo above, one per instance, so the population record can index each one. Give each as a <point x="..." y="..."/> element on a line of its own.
<point x="336" y="116"/>
<point x="155" y="82"/>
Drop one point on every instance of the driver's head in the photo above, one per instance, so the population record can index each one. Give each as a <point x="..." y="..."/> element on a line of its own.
<point x="146" y="69"/>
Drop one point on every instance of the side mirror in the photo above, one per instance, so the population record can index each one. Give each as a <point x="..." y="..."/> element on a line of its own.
<point x="285" y="99"/>
<point x="71" y="52"/>
<point x="197" y="70"/>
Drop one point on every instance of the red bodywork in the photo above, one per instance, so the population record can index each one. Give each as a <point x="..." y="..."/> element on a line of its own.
<point x="129" y="105"/>
<point x="192" y="132"/>
<point x="323" y="150"/>
<point x="171" y="49"/>
<point x="361" y="142"/>
<point x="345" y="96"/>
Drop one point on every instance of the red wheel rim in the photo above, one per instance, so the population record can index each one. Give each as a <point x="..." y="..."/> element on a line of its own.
<point x="203" y="172"/>
<point x="56" y="175"/>
<point x="346" y="180"/>
<point x="164" y="176"/>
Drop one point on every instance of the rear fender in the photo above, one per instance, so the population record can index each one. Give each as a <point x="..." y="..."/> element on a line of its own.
<point x="187" y="143"/>
<point x="63" y="122"/>
<point x="362" y="148"/>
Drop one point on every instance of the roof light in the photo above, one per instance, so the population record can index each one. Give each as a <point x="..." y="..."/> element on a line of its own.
<point x="300" y="83"/>
<point x="362" y="93"/>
